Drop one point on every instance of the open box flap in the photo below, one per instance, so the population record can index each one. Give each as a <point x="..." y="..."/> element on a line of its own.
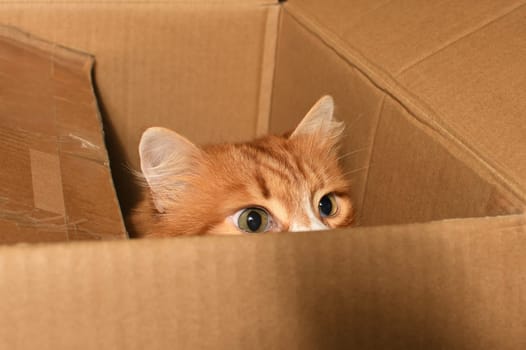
<point x="457" y="69"/>
<point x="56" y="181"/>
<point x="402" y="169"/>
<point x="447" y="284"/>
<point x="175" y="66"/>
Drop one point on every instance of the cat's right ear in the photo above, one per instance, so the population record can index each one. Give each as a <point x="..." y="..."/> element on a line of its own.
<point x="167" y="159"/>
<point x="319" y="122"/>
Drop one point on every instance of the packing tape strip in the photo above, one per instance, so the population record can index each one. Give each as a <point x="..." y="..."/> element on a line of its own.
<point x="48" y="193"/>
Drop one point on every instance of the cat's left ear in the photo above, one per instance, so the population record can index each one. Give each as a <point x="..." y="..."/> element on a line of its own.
<point x="319" y="122"/>
<point x="167" y="161"/>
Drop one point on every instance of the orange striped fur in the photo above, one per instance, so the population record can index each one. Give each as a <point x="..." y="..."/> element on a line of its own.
<point x="192" y="190"/>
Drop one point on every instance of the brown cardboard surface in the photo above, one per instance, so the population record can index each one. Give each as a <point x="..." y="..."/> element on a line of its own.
<point x="402" y="169"/>
<point x="424" y="55"/>
<point x="48" y="120"/>
<point x="414" y="178"/>
<point x="161" y="63"/>
<point x="393" y="35"/>
<point x="451" y="284"/>
<point x="478" y="90"/>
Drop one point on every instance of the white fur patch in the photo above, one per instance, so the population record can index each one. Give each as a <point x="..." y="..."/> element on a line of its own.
<point x="314" y="223"/>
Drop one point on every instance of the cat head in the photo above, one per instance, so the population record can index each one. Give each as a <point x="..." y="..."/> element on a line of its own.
<point x="275" y="183"/>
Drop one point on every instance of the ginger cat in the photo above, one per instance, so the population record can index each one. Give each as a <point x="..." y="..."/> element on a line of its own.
<point x="274" y="183"/>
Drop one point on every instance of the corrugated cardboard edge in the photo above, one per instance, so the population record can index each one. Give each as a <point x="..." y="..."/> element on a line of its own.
<point x="290" y="291"/>
<point x="58" y="51"/>
<point x="62" y="52"/>
<point x="423" y="115"/>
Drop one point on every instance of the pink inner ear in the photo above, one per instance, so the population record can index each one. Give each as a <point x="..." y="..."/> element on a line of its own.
<point x="160" y="146"/>
<point x="166" y="157"/>
<point x="318" y="120"/>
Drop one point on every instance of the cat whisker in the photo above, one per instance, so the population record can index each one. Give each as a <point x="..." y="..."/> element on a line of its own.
<point x="353" y="171"/>
<point x="348" y="154"/>
<point x="346" y="174"/>
<point x="354" y="121"/>
<point x="138" y="176"/>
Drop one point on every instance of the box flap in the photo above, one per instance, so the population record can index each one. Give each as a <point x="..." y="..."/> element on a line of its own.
<point x="163" y="63"/>
<point x="56" y="182"/>
<point x="448" y="284"/>
<point x="458" y="69"/>
<point x="401" y="169"/>
<point x="477" y="89"/>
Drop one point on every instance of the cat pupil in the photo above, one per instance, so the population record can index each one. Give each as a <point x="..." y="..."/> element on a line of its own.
<point x="325" y="205"/>
<point x="254" y="221"/>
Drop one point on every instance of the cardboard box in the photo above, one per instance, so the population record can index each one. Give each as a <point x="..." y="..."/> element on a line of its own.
<point x="56" y="180"/>
<point x="433" y="98"/>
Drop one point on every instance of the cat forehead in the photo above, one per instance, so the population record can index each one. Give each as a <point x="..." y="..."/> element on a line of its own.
<point x="271" y="167"/>
<point x="267" y="155"/>
<point x="277" y="149"/>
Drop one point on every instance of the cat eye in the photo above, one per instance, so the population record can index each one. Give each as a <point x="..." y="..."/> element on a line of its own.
<point x="328" y="205"/>
<point x="253" y="220"/>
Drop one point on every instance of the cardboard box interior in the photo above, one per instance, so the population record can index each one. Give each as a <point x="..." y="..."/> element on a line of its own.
<point x="56" y="180"/>
<point x="412" y="155"/>
<point x="433" y="132"/>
